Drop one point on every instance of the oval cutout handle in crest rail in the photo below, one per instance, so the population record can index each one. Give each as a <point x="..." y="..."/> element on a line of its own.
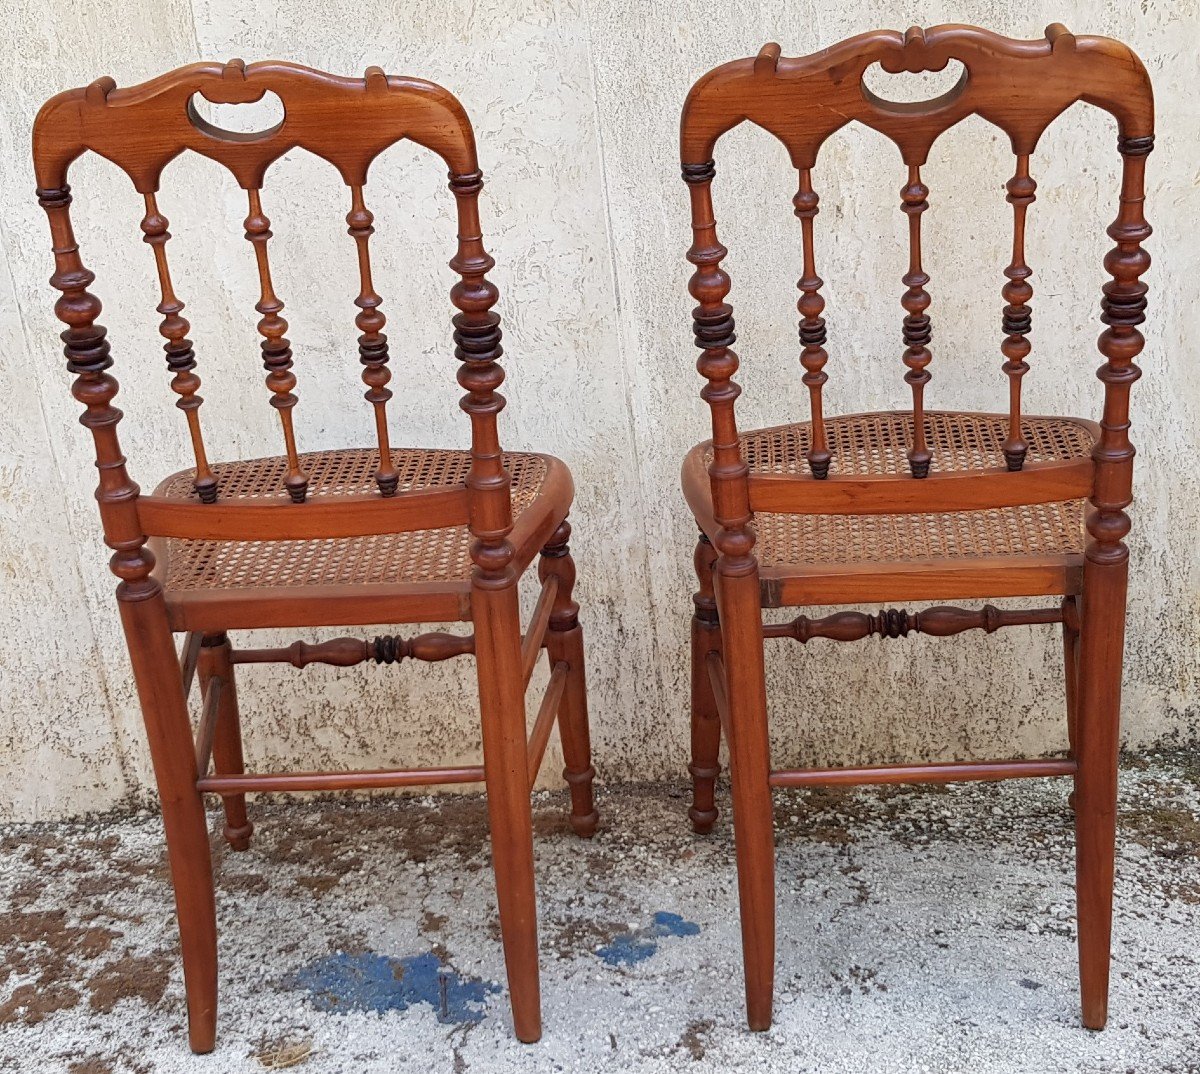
<point x="919" y="92"/>
<point x="211" y="117"/>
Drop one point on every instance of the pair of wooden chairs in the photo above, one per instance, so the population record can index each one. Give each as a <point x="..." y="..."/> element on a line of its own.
<point x="912" y="505"/>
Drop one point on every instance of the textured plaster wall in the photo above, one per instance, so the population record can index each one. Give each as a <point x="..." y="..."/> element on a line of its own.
<point x="576" y="106"/>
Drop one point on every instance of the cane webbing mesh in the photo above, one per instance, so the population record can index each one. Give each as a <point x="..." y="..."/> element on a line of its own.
<point x="877" y="444"/>
<point x="420" y="555"/>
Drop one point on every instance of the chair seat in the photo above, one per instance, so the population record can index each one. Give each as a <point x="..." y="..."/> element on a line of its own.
<point x="1010" y="551"/>
<point x="420" y="575"/>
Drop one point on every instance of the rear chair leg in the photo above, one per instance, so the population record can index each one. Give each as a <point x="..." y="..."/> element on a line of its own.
<point x="706" y="725"/>
<point x="749" y="771"/>
<point x="1101" y="641"/>
<point x="215" y="662"/>
<point x="157" y="674"/>
<point x="496" y="615"/>
<point x="564" y="643"/>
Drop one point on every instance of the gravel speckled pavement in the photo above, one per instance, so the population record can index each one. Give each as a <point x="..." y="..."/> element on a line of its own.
<point x="920" y="929"/>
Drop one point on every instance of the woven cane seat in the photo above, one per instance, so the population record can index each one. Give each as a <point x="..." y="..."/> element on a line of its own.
<point x="876" y="444"/>
<point x="422" y="560"/>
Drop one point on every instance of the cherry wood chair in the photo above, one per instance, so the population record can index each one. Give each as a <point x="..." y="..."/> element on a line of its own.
<point x="913" y="505"/>
<point x="361" y="535"/>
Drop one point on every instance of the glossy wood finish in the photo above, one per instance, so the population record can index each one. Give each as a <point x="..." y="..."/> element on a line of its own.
<point x="924" y="579"/>
<point x="1017" y="319"/>
<point x="343" y="516"/>
<point x="346" y="652"/>
<point x="1070" y="634"/>
<point x="1048" y="482"/>
<point x="189" y="658"/>
<point x="207" y="731"/>
<point x="372" y="344"/>
<point x="705" y="765"/>
<point x="564" y="645"/>
<point x="347" y="122"/>
<point x="1105" y="581"/>
<point x="810" y="306"/>
<point x="181" y="358"/>
<point x="543" y="724"/>
<point x="939" y="622"/>
<point x="216" y="664"/>
<point x="1020" y="87"/>
<point x="949" y="772"/>
<point x="539" y="623"/>
<point x="358" y="780"/>
<point x="916" y="328"/>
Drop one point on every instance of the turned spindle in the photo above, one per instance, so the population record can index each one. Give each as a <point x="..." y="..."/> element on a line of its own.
<point x="812" y="326"/>
<point x="917" y="332"/>
<point x="372" y="343"/>
<point x="942" y="621"/>
<point x="346" y="652"/>
<point x="181" y="358"/>
<point x="276" y="350"/>
<point x="1017" y="292"/>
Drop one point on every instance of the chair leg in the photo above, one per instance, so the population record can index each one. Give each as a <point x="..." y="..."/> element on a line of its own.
<point x="215" y="662"/>
<point x="749" y="768"/>
<point x="502" y="709"/>
<point x="564" y="642"/>
<point x="1070" y="633"/>
<point x="706" y="725"/>
<point x="157" y="674"/>
<point x="1102" y="633"/>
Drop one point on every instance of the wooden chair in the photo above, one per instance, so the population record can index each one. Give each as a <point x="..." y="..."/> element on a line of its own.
<point x="361" y="535"/>
<point x="821" y="513"/>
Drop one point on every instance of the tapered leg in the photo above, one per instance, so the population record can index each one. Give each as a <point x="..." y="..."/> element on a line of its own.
<point x="215" y="662"/>
<point x="564" y="643"/>
<point x="502" y="708"/>
<point x="706" y="726"/>
<point x="168" y="729"/>
<point x="749" y="769"/>
<point x="1102" y="633"/>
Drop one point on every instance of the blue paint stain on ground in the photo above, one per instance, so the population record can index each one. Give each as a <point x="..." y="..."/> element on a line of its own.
<point x="629" y="948"/>
<point x="371" y="982"/>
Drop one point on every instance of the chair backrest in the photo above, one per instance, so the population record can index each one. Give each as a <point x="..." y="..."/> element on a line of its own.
<point x="347" y="122"/>
<point x="1021" y="87"/>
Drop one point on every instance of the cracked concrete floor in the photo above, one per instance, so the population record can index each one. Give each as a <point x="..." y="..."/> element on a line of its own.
<point x="920" y="929"/>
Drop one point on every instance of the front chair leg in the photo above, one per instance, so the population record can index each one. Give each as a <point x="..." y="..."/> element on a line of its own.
<point x="496" y="615"/>
<point x="157" y="675"/>
<point x="564" y="643"/>
<point x="215" y="662"/>
<point x="706" y="725"/>
<point x="749" y="772"/>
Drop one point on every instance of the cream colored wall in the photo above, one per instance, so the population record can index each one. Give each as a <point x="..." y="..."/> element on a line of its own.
<point x="575" y="106"/>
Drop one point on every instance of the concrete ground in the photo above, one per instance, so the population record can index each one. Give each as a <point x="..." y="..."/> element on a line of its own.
<point x="919" y="930"/>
